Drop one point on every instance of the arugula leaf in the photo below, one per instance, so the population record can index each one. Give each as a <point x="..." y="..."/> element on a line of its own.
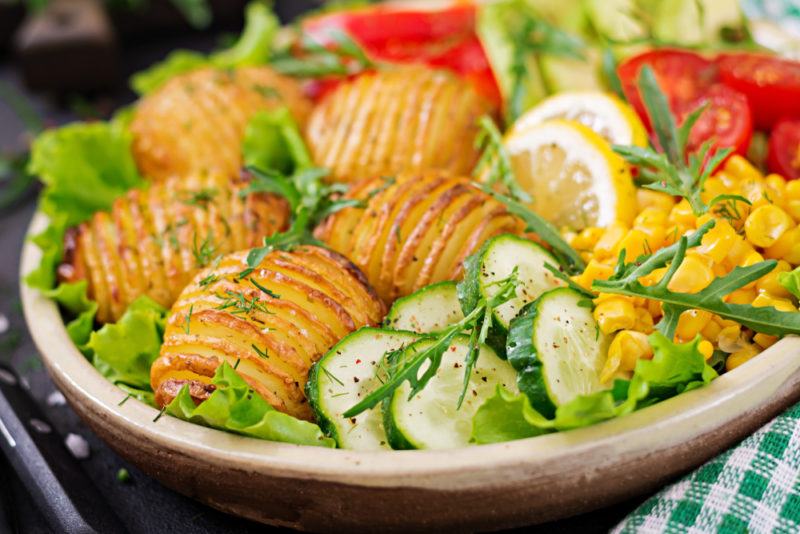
<point x="124" y="351"/>
<point x="234" y="408"/>
<point x="625" y="281"/>
<point x="791" y="281"/>
<point x="405" y="364"/>
<point x="252" y="48"/>
<point x="495" y="161"/>
<point x="566" y="255"/>
<point x="315" y="60"/>
<point x="674" y="369"/>
<point x="671" y="171"/>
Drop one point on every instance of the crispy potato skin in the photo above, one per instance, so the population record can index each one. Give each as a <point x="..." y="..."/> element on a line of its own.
<point x="153" y="241"/>
<point x="416" y="229"/>
<point x="314" y="298"/>
<point x="405" y="119"/>
<point x="196" y="122"/>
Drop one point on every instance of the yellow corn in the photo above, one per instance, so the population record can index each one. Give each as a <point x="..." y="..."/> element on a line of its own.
<point x="718" y="241"/>
<point x="769" y="282"/>
<point x="635" y="244"/>
<point x="594" y="271"/>
<point x="587" y="238"/>
<point x="654" y="307"/>
<point x="627" y="348"/>
<point x="787" y="247"/>
<point x="711" y="331"/>
<point x="793" y="190"/>
<point x="692" y="276"/>
<point x="766" y="225"/>
<point x="741" y="296"/>
<point x="751" y="259"/>
<point x="740" y="249"/>
<point x="793" y="209"/>
<point x="644" y="321"/>
<point x="779" y="304"/>
<point x="682" y="214"/>
<point x="616" y="313"/>
<point x="741" y="356"/>
<point x="607" y="244"/>
<point x="764" y="340"/>
<point x="706" y="348"/>
<point x="730" y="181"/>
<point x="729" y="338"/>
<point x="647" y="198"/>
<point x="713" y="188"/>
<point x="777" y="185"/>
<point x="651" y="216"/>
<point x="756" y="192"/>
<point x="691" y="322"/>
<point x="742" y="168"/>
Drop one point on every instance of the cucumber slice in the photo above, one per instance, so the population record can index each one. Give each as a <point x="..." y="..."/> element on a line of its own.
<point x="430" y="419"/>
<point x="431" y="309"/>
<point x="557" y="349"/>
<point x="345" y="375"/>
<point x="496" y="260"/>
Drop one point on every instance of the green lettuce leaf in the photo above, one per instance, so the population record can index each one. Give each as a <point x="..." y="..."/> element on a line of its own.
<point x="252" y="48"/>
<point x="791" y="281"/>
<point x="233" y="407"/>
<point x="73" y="299"/>
<point x="124" y="351"/>
<point x="272" y="141"/>
<point x="674" y="369"/>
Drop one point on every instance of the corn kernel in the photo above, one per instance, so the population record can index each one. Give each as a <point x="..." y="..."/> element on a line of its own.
<point x="779" y="304"/>
<point x="713" y="188"/>
<point x="711" y="331"/>
<point x="614" y="314"/>
<point x="741" y="356"/>
<point x="587" y="238"/>
<point x="644" y="321"/>
<point x="706" y="348"/>
<point x="607" y="244"/>
<point x="769" y="282"/>
<point x="787" y="247"/>
<point x="778" y="186"/>
<point x="594" y="271"/>
<point x="647" y="198"/>
<point x="718" y="241"/>
<point x="751" y="259"/>
<point x="692" y="276"/>
<point x="691" y="322"/>
<point x="741" y="296"/>
<point x="793" y="209"/>
<point x="634" y="243"/>
<point x="742" y="168"/>
<point x="730" y="338"/>
<point x="766" y="224"/>
<point x="655" y="308"/>
<point x="793" y="189"/>
<point x="729" y="180"/>
<point x="754" y="191"/>
<point x="651" y="216"/>
<point x="682" y="214"/>
<point x="631" y="347"/>
<point x="740" y="249"/>
<point x="765" y="340"/>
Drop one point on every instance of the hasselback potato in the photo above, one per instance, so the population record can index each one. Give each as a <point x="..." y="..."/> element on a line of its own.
<point x="153" y="241"/>
<point x="416" y="229"/>
<point x="405" y="118"/>
<point x="270" y="324"/>
<point x="196" y="121"/>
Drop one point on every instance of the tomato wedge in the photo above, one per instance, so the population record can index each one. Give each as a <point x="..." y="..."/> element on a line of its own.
<point x="771" y="84"/>
<point x="783" y="156"/>
<point x="681" y="74"/>
<point x="443" y="37"/>
<point x="727" y="120"/>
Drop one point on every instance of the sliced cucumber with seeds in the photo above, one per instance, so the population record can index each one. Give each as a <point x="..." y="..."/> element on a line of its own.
<point x="557" y="349"/>
<point x="431" y="309"/>
<point x="344" y="376"/>
<point x="496" y="261"/>
<point x="431" y="419"/>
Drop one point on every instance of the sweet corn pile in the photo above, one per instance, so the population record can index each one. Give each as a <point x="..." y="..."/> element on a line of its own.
<point x="743" y="235"/>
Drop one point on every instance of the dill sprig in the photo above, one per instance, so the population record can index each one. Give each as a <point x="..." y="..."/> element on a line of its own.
<point x="200" y="198"/>
<point x="315" y="60"/>
<point x="494" y="164"/>
<point x="205" y="251"/>
<point x="238" y="304"/>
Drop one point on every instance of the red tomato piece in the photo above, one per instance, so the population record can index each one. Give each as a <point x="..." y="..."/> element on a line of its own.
<point x="783" y="156"/>
<point x="771" y="84"/>
<point x="727" y="120"/>
<point x="441" y="37"/>
<point x="682" y="75"/>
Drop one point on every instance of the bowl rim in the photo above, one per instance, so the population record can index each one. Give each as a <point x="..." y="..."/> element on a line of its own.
<point x="662" y="425"/>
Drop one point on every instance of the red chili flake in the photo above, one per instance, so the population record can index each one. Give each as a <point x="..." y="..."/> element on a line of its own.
<point x="358" y="361"/>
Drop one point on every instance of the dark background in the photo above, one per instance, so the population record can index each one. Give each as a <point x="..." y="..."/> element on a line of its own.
<point x="142" y="504"/>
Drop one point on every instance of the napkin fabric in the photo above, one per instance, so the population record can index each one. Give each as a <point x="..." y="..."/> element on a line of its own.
<point x="752" y="488"/>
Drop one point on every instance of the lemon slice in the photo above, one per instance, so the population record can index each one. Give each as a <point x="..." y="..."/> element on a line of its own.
<point x="574" y="177"/>
<point x="605" y="114"/>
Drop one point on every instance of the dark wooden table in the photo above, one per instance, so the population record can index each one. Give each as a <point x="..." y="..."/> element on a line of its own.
<point x="142" y="504"/>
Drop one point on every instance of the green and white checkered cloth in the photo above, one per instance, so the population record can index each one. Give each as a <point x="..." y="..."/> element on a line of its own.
<point x="753" y="488"/>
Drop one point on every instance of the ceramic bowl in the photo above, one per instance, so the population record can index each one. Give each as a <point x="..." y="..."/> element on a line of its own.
<point x="475" y="488"/>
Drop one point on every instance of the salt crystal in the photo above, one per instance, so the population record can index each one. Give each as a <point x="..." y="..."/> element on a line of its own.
<point x="40" y="426"/>
<point x="56" y="399"/>
<point x="3" y="324"/>
<point x="78" y="446"/>
<point x="8" y="378"/>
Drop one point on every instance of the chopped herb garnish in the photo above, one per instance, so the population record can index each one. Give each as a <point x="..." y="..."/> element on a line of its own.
<point x="188" y="319"/>
<point x="332" y="377"/>
<point x="261" y="353"/>
<point x="160" y="413"/>
<point x="204" y="252"/>
<point x="123" y="401"/>
<point x="210" y="279"/>
<point x="238" y="304"/>
<point x="317" y="60"/>
<point x="495" y="163"/>
<point x="123" y="475"/>
<point x="200" y="198"/>
<point x="263" y="289"/>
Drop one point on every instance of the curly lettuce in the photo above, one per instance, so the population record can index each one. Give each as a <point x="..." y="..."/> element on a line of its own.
<point x="234" y="408"/>
<point x="674" y="369"/>
<point x="791" y="282"/>
<point x="253" y="48"/>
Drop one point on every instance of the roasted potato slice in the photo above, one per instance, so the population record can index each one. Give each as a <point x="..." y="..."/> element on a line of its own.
<point x="196" y="121"/>
<point x="407" y="118"/>
<point x="153" y="241"/>
<point x="271" y="324"/>
<point x="416" y="229"/>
